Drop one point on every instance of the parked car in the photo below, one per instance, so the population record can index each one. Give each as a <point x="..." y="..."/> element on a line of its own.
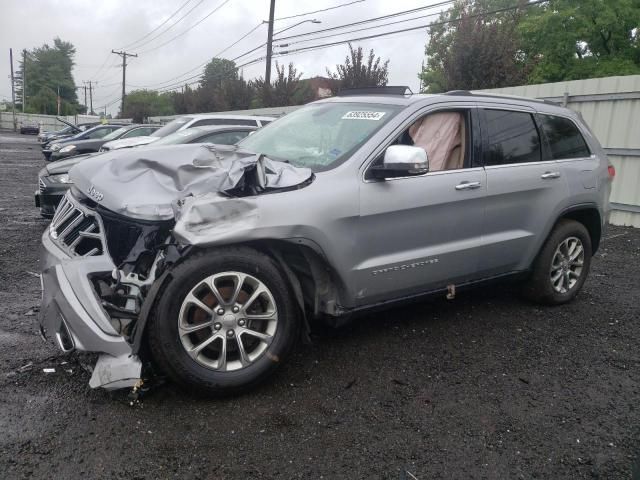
<point x="68" y="131"/>
<point x="77" y="147"/>
<point x="95" y="133"/>
<point x="216" y="258"/>
<point x="54" y="181"/>
<point x="186" y="122"/>
<point x="29" y="127"/>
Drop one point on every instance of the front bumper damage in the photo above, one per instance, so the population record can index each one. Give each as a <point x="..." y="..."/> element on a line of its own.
<point x="72" y="314"/>
<point x="102" y="266"/>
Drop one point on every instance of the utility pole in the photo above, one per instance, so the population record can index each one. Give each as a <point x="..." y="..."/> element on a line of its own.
<point x="124" y="56"/>
<point x="13" y="91"/>
<point x="24" y="78"/>
<point x="267" y="75"/>
<point x="91" y="87"/>
<point x="58" y="100"/>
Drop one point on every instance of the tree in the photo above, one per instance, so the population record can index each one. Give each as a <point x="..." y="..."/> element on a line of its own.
<point x="140" y="104"/>
<point x="286" y="89"/>
<point x="576" y="39"/>
<point x="472" y="48"/>
<point x="355" y="73"/>
<point x="49" y="72"/>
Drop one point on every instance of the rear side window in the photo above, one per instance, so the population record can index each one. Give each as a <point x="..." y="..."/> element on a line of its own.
<point x="565" y="140"/>
<point x="513" y="138"/>
<point x="224" y="121"/>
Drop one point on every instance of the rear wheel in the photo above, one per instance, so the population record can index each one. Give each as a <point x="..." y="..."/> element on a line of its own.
<point x="561" y="268"/>
<point x="224" y="322"/>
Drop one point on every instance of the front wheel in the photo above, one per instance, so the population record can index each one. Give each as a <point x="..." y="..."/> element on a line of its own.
<point x="225" y="321"/>
<point x="561" y="268"/>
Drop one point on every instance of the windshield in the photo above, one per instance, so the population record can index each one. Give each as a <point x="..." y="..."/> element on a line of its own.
<point x="171" y="127"/>
<point x="183" y="136"/>
<point x="320" y="136"/>
<point x="115" y="134"/>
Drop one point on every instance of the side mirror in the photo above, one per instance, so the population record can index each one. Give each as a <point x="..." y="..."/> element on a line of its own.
<point x="402" y="161"/>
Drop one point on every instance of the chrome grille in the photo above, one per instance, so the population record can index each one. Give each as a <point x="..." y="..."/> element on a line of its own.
<point x="41" y="185"/>
<point x="76" y="229"/>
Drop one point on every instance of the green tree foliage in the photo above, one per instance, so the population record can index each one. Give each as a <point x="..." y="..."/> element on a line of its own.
<point x="355" y="72"/>
<point x="140" y="104"/>
<point x="48" y="71"/>
<point x="222" y="88"/>
<point x="575" y="39"/>
<point x="472" y="46"/>
<point x="285" y="89"/>
<point x="469" y="48"/>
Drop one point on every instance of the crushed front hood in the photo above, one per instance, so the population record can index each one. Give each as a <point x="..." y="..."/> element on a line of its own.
<point x="145" y="183"/>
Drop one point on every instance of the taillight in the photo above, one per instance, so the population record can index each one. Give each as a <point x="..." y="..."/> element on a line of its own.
<point x="612" y="172"/>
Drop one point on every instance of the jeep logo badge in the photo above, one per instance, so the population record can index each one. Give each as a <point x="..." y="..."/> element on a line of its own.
<point x="95" y="194"/>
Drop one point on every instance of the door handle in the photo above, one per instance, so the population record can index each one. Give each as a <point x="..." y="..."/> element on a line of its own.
<point x="549" y="175"/>
<point x="468" y="186"/>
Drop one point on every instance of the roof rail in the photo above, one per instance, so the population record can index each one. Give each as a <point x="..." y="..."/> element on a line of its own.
<point x="464" y="93"/>
<point x="386" y="90"/>
<point x="458" y="93"/>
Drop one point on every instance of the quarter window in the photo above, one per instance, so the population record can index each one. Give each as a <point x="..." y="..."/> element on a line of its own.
<point x="513" y="138"/>
<point x="565" y="140"/>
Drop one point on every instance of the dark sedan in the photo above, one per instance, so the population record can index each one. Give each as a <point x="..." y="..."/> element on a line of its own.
<point x="72" y="148"/>
<point x="69" y="131"/>
<point x="29" y="127"/>
<point x="94" y="133"/>
<point x="53" y="180"/>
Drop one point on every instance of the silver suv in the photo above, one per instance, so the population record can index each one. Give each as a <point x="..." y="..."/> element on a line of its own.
<point x="210" y="261"/>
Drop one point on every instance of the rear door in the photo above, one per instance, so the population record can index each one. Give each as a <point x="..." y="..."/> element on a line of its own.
<point x="524" y="189"/>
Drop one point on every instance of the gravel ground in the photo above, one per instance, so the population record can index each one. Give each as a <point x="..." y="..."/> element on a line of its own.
<point x="485" y="386"/>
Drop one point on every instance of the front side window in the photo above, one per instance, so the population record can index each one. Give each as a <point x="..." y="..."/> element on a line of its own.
<point x="565" y="140"/>
<point x="320" y="136"/>
<point x="444" y="135"/>
<point x="115" y="134"/>
<point x="99" y="133"/>
<point x="513" y="138"/>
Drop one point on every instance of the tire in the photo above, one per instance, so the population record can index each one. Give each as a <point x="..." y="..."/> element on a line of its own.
<point x="553" y="280"/>
<point x="205" y="371"/>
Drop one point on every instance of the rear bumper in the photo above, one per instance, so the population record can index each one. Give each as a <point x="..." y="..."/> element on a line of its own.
<point x="72" y="316"/>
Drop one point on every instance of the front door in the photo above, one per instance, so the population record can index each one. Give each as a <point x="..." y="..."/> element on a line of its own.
<point x="421" y="233"/>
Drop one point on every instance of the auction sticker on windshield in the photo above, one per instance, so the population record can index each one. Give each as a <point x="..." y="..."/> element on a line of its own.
<point x="363" y="115"/>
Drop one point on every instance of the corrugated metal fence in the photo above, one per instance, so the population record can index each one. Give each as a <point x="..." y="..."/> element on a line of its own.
<point x="46" y="122"/>
<point x="611" y="107"/>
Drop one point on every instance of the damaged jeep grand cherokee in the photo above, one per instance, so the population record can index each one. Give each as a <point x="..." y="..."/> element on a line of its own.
<point x="209" y="261"/>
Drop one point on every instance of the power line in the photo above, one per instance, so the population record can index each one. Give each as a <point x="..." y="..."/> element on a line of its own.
<point x="170" y="26"/>
<point x="188" y="29"/>
<point x="362" y="29"/>
<point x="369" y="20"/>
<point x="181" y="84"/>
<point x="318" y="11"/>
<point x="158" y="27"/>
<point x="207" y="61"/>
<point x="342" y="42"/>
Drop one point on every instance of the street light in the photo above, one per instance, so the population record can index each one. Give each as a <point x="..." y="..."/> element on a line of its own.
<point x="299" y="23"/>
<point x="267" y="77"/>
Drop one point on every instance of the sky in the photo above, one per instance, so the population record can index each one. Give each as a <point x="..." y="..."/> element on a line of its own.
<point x="97" y="27"/>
